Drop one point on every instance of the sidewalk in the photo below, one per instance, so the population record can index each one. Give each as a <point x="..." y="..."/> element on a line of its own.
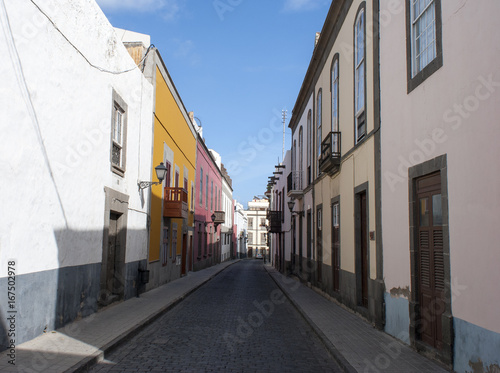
<point x="356" y="345"/>
<point x="80" y="344"/>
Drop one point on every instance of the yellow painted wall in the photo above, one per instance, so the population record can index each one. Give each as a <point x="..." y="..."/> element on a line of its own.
<point x="171" y="128"/>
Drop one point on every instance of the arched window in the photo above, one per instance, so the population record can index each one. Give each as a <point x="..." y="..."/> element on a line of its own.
<point x="309" y="147"/>
<point x="319" y="137"/>
<point x="301" y="155"/>
<point x="359" y="76"/>
<point x="335" y="93"/>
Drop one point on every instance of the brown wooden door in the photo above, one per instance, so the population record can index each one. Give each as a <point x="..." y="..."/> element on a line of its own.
<point x="319" y="244"/>
<point x="364" y="250"/>
<point x="336" y="246"/>
<point x="430" y="259"/>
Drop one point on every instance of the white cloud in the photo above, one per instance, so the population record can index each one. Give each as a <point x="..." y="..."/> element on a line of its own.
<point x="167" y="8"/>
<point x="303" y="5"/>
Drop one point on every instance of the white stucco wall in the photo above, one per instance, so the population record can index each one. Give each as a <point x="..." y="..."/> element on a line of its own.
<point x="55" y="153"/>
<point x="454" y="112"/>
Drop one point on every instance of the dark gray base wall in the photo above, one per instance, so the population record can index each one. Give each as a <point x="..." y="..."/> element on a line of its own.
<point x="133" y="284"/>
<point x="51" y="299"/>
<point x="160" y="275"/>
<point x="323" y="281"/>
<point x="203" y="263"/>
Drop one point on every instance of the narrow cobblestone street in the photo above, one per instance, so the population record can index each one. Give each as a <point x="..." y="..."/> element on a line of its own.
<point x="237" y="322"/>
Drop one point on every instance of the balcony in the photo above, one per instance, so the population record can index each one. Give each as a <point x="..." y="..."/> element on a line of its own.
<point x="274" y="218"/>
<point x="330" y="153"/>
<point x="220" y="217"/>
<point x="175" y="203"/>
<point x="294" y="184"/>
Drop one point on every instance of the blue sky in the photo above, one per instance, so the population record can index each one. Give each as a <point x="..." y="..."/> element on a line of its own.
<point x="236" y="64"/>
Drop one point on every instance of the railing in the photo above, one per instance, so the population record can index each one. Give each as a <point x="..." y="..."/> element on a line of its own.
<point x="294" y="183"/>
<point x="175" y="203"/>
<point x="330" y="153"/>
<point x="274" y="218"/>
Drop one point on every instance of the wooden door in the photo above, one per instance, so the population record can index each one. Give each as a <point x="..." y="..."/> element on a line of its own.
<point x="319" y="244"/>
<point x="300" y="243"/>
<point x="364" y="250"/>
<point x="430" y="259"/>
<point x="336" y="246"/>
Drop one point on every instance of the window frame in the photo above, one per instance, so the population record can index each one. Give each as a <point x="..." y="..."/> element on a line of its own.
<point x="360" y="113"/>
<point x="119" y="105"/>
<point x="334" y="89"/>
<point x="414" y="80"/>
<point x="201" y="187"/>
<point x="319" y="128"/>
<point x="309" y="147"/>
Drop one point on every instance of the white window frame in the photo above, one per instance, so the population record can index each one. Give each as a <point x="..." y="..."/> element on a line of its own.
<point x="428" y="10"/>
<point x="319" y="123"/>
<point x="118" y="133"/>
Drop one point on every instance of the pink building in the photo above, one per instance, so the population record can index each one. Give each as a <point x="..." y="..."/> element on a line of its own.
<point x="206" y="250"/>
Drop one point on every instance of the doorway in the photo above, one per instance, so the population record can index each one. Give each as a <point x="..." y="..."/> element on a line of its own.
<point x="362" y="270"/>
<point x="431" y="276"/>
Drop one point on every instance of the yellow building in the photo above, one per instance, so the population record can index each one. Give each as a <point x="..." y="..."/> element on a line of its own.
<point x="172" y="202"/>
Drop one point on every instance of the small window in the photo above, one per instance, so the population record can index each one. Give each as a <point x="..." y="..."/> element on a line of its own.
<point x="211" y="196"/>
<point x="424" y="45"/>
<point x="262" y="222"/>
<point x="359" y="76"/>
<point x="336" y="215"/>
<point x="250" y="223"/>
<point x="263" y="238"/>
<point x="250" y="237"/>
<point x="118" y="135"/>
<point x="319" y="222"/>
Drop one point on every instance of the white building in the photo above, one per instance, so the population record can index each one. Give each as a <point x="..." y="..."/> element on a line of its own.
<point x="257" y="231"/>
<point x="74" y="222"/>
<point x="440" y="178"/>
<point x="227" y="251"/>
<point x="241" y="224"/>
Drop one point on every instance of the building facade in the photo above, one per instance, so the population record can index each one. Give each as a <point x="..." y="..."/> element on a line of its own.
<point x="241" y="227"/>
<point x="208" y="201"/>
<point x="257" y="231"/>
<point x="439" y="104"/>
<point x="333" y="178"/>
<point x="226" y="235"/>
<point x="76" y="229"/>
<point x="171" y="229"/>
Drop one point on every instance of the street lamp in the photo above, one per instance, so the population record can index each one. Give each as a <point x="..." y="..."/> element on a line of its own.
<point x="291" y="205"/>
<point x="161" y="170"/>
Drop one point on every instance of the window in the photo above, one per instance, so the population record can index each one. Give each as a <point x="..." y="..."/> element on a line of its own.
<point x="118" y="135"/>
<point x="176" y="177"/>
<point x="192" y="196"/>
<point x="164" y="254"/>
<point x="318" y="131"/>
<point x="206" y="192"/>
<point x="216" y="206"/>
<point x="185" y="184"/>
<point x="201" y="186"/>
<point x="309" y="147"/>
<point x="319" y="215"/>
<point x="263" y="238"/>
<point x="250" y="223"/>
<point x="359" y="76"/>
<point x="262" y="222"/>
<point x="424" y="48"/>
<point x="301" y="158"/>
<point x="250" y="237"/>
<point x="335" y="93"/>
<point x="212" y="196"/>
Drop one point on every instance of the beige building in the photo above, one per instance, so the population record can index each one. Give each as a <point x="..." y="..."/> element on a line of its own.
<point x="333" y="181"/>
<point x="440" y="102"/>
<point x="257" y="227"/>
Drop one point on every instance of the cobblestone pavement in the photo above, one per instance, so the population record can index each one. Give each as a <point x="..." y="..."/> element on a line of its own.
<point x="238" y="322"/>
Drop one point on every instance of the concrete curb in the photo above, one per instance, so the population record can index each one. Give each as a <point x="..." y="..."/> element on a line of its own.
<point x="339" y="358"/>
<point x="88" y="362"/>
